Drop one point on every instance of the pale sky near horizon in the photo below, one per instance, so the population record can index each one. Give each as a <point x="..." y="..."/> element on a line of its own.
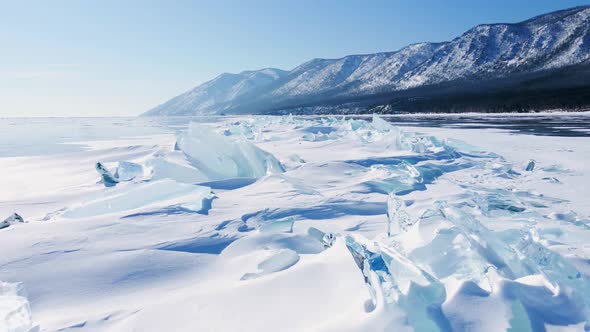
<point x="121" y="58"/>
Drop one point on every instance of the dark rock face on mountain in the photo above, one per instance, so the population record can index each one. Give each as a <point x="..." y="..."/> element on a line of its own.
<point x="536" y="64"/>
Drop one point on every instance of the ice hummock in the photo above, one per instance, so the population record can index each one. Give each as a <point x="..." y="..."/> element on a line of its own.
<point x="486" y="253"/>
<point x="220" y="157"/>
<point x="164" y="193"/>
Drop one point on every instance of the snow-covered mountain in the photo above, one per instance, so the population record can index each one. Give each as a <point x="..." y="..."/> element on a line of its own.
<point x="488" y="51"/>
<point x="553" y="40"/>
<point x="210" y="96"/>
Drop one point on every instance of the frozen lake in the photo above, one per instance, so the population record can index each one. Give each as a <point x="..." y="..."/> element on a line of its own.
<point x="296" y="223"/>
<point x="51" y="134"/>
<point x="574" y="125"/>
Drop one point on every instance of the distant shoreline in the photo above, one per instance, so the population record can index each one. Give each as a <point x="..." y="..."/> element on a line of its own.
<point x="417" y="114"/>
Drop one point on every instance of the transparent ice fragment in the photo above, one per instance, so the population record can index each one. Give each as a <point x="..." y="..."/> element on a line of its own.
<point x="287" y="119"/>
<point x="371" y="261"/>
<point x="530" y="166"/>
<point x="413" y="174"/>
<point x="398" y="219"/>
<point x="174" y="165"/>
<point x="244" y="129"/>
<point x="499" y="201"/>
<point x="415" y="290"/>
<point x="161" y="193"/>
<point x="551" y="179"/>
<point x="310" y="137"/>
<point x="356" y="124"/>
<point x="281" y="260"/>
<point x="379" y="124"/>
<point x="220" y="157"/>
<point x="277" y="226"/>
<point x="468" y="149"/>
<point x="490" y="249"/>
<point x="420" y="144"/>
<point x="14" y="218"/>
<point x="296" y="158"/>
<point x="317" y="137"/>
<point x="327" y="239"/>
<point x="556" y="169"/>
<point x="108" y="178"/>
<point x="554" y="267"/>
<point x="127" y="171"/>
<point x="273" y="166"/>
<point x="393" y="278"/>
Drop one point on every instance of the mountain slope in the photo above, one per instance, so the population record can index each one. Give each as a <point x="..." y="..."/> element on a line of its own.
<point x="485" y="52"/>
<point x="491" y="50"/>
<point x="212" y="96"/>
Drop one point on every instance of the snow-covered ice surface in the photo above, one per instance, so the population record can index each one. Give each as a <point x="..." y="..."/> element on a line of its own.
<point x="281" y="224"/>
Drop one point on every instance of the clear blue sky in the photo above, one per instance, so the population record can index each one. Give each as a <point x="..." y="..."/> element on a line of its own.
<point x="92" y="58"/>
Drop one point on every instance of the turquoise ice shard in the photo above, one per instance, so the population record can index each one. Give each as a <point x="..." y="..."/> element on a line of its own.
<point x="530" y="166"/>
<point x="108" y="178"/>
<point x="554" y="267"/>
<point x="370" y="262"/>
<point x="392" y="278"/>
<point x="419" y="293"/>
<point x="492" y="250"/>
<point x="398" y="219"/>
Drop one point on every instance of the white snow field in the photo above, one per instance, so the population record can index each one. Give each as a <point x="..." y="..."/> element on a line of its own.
<point x="291" y="224"/>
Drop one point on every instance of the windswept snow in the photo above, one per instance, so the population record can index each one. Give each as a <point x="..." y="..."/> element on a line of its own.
<point x="299" y="224"/>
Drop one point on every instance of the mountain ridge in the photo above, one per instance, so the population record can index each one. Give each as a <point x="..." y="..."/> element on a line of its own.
<point x="484" y="52"/>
